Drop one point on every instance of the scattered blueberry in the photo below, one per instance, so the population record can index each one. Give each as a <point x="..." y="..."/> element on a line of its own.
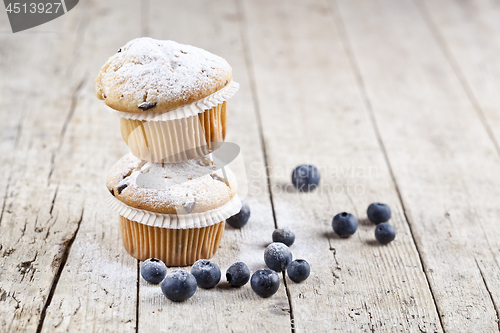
<point x="206" y="273"/>
<point x="277" y="256"/>
<point x="285" y="236"/>
<point x="305" y="177"/>
<point x="385" y="233"/>
<point x="238" y="274"/>
<point x="179" y="285"/>
<point x="378" y="212"/>
<point x="153" y="270"/>
<point x="298" y="270"/>
<point x="265" y="282"/>
<point x="240" y="219"/>
<point x="345" y="224"/>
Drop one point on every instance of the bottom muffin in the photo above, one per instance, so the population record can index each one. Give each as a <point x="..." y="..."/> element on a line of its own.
<point x="175" y="212"/>
<point x="175" y="247"/>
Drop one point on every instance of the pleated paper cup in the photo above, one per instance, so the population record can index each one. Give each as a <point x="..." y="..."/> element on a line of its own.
<point x="188" y="132"/>
<point x="175" y="247"/>
<point x="176" y="239"/>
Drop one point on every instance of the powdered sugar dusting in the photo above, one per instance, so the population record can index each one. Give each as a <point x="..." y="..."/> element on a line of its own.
<point x="193" y="186"/>
<point x="154" y="72"/>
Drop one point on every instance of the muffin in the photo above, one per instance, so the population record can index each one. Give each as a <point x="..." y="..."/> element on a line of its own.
<point x="172" y="211"/>
<point x="170" y="98"/>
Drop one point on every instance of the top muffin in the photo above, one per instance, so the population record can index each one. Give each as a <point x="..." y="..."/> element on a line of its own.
<point x="154" y="75"/>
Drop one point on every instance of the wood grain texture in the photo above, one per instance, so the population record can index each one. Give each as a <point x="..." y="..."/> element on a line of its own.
<point x="312" y="112"/>
<point x="97" y="290"/>
<point x="214" y="26"/>
<point x="468" y="34"/>
<point x="39" y="216"/>
<point x="394" y="100"/>
<point x="443" y="159"/>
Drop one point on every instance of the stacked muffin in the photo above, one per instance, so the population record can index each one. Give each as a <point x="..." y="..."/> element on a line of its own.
<point x="171" y="199"/>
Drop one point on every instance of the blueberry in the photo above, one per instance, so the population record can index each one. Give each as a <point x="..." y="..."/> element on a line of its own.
<point x="305" y="177"/>
<point x="385" y="233"/>
<point x="345" y="224"/>
<point x="277" y="256"/>
<point x="265" y="282"/>
<point x="206" y="273"/>
<point x="146" y="105"/>
<point x="121" y="187"/>
<point x="153" y="270"/>
<point x="298" y="270"/>
<point x="240" y="219"/>
<point x="285" y="236"/>
<point x="238" y="274"/>
<point x="378" y="212"/>
<point x="179" y="285"/>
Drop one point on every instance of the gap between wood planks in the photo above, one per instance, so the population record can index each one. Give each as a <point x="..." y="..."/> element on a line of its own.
<point x="457" y="70"/>
<point x="64" y="259"/>
<point x="18" y="135"/>
<point x="67" y="249"/>
<point x="5" y="197"/>
<point x="434" y="30"/>
<point x="339" y="23"/>
<point x="74" y="100"/>
<point x="242" y="23"/>
<point x="145" y="11"/>
<point x="489" y="292"/>
<point x="137" y="297"/>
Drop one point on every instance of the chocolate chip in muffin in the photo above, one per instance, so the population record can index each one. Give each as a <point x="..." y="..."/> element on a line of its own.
<point x="119" y="50"/>
<point x="120" y="188"/>
<point x="112" y="192"/>
<point x="147" y="105"/>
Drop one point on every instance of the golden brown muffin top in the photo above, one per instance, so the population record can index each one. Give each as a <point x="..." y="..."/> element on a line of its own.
<point x="154" y="75"/>
<point x="187" y="187"/>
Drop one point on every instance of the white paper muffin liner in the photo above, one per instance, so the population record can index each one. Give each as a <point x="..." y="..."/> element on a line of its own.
<point x="183" y="111"/>
<point x="176" y="221"/>
<point x="175" y="247"/>
<point x="176" y="140"/>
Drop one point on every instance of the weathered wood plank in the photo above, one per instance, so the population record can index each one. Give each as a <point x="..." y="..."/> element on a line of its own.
<point x="97" y="291"/>
<point x="214" y="26"/>
<point x="443" y="159"/>
<point x="468" y="34"/>
<point x="312" y="112"/>
<point x="36" y="223"/>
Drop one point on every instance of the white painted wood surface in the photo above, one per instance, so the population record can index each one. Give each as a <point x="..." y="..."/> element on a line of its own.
<point x="41" y="207"/>
<point x="393" y="100"/>
<point x="313" y="112"/>
<point x="444" y="161"/>
<point x="97" y="290"/>
<point x="467" y="32"/>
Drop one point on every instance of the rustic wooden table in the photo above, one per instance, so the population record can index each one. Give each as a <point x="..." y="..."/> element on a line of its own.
<point x="395" y="101"/>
